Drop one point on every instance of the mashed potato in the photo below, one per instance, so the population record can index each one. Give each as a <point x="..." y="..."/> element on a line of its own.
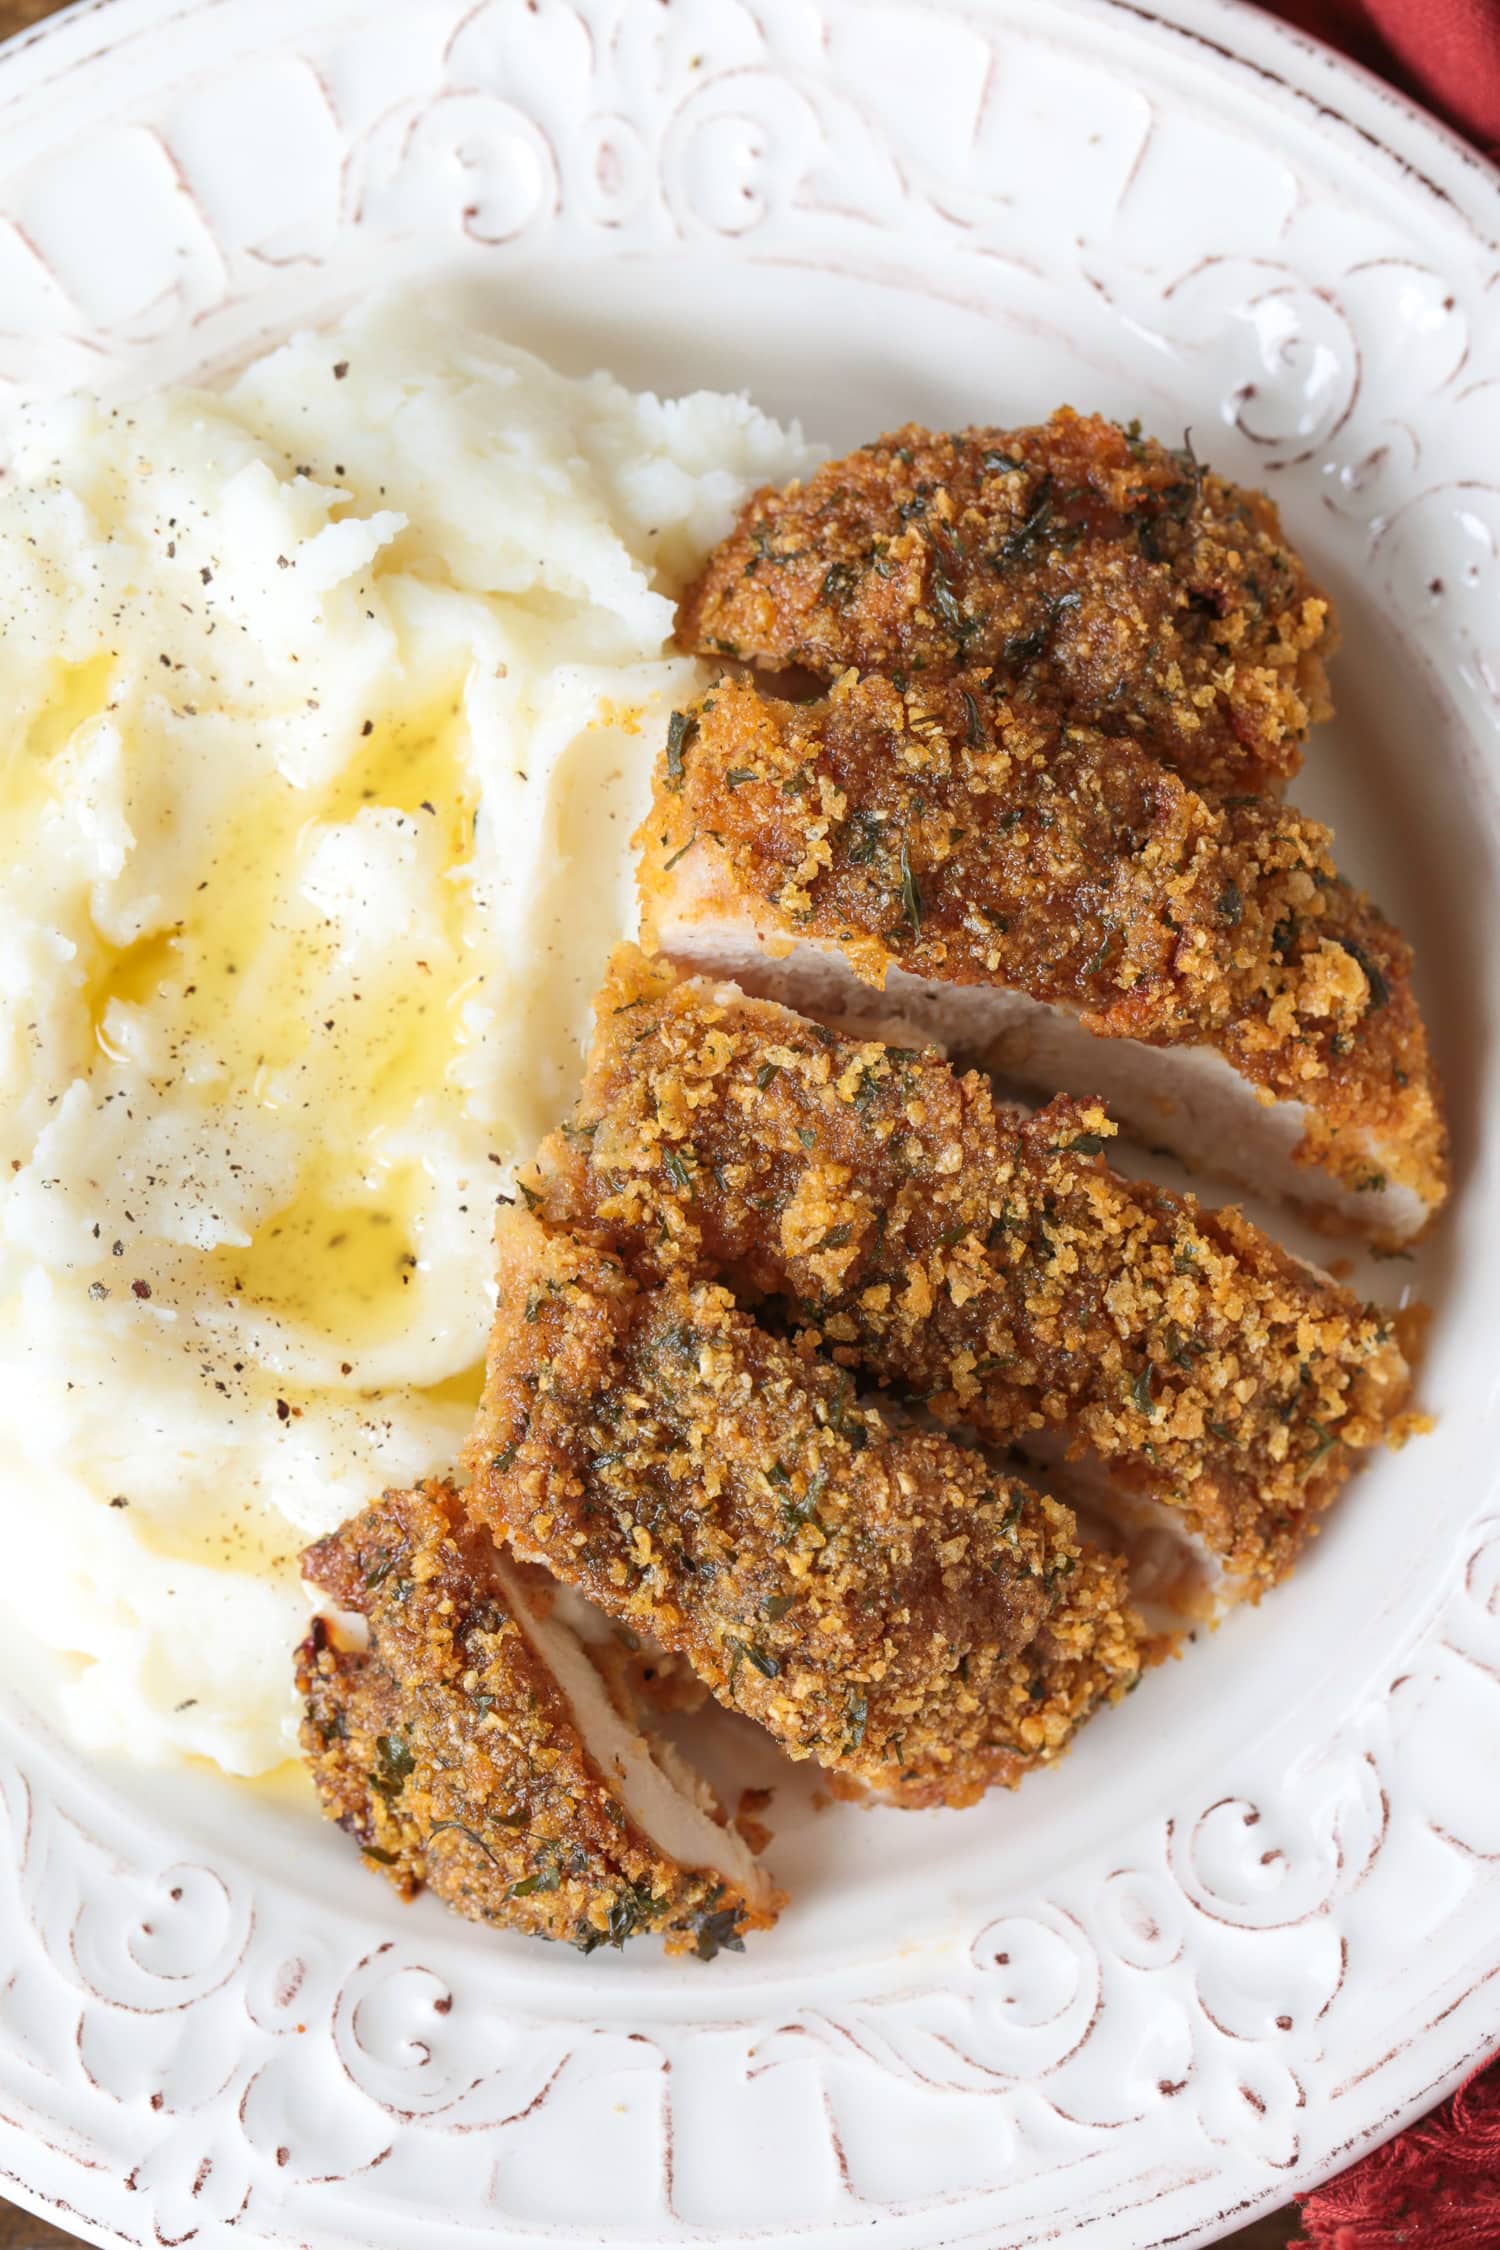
<point x="332" y="699"/>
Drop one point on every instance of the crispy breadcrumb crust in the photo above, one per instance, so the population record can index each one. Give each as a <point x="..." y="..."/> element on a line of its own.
<point x="879" y="1599"/>
<point x="964" y="837"/>
<point x="988" y="1263"/>
<point x="1111" y="579"/>
<point x="451" y="1755"/>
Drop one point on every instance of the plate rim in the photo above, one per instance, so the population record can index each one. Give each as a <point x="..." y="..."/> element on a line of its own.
<point x="1239" y="36"/>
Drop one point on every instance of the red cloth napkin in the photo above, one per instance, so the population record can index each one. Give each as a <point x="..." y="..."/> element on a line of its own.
<point x="1437" y="2185"/>
<point x="1445" y="52"/>
<point x="1434" y="2187"/>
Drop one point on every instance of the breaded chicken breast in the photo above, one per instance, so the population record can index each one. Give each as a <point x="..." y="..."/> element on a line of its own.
<point x="1112" y="580"/>
<point x="982" y="1260"/>
<point x="471" y="1747"/>
<point x="880" y="1599"/>
<point x="1064" y="909"/>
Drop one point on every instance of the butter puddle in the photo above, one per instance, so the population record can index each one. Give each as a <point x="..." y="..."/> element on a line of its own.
<point x="232" y="1000"/>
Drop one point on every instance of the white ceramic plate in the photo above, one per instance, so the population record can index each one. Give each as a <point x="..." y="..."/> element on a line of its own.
<point x="1254" y="1920"/>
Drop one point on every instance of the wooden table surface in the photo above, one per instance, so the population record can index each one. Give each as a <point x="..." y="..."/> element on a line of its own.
<point x="14" y="16"/>
<point x="18" y="2230"/>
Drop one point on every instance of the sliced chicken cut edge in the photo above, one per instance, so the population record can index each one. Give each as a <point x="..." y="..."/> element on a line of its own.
<point x="660" y="1790"/>
<point x="1188" y="1099"/>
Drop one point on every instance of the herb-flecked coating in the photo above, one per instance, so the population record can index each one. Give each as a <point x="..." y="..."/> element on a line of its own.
<point x="987" y="1262"/>
<point x="1104" y="575"/>
<point x="450" y="1754"/>
<point x="881" y="1600"/>
<point x="961" y="836"/>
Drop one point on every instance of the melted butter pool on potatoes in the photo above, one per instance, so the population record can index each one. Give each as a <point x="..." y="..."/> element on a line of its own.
<point x="251" y="990"/>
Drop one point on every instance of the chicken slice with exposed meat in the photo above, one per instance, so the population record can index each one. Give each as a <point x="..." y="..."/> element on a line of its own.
<point x="1065" y="910"/>
<point x="983" y="1260"/>
<point x="472" y="1748"/>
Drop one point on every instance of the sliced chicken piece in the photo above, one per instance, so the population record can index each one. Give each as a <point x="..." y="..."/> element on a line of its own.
<point x="1064" y="910"/>
<point x="472" y="1747"/>
<point x="986" y="1261"/>
<point x="880" y="1599"/>
<point x="1111" y="579"/>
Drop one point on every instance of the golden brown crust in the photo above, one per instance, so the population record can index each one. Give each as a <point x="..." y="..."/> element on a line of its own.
<point x="881" y="1600"/>
<point x="992" y="1266"/>
<point x="1115" y="582"/>
<point x="451" y="1755"/>
<point x="965" y="838"/>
